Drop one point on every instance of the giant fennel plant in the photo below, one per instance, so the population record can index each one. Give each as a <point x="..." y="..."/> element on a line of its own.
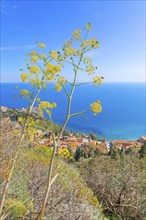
<point x="41" y="69"/>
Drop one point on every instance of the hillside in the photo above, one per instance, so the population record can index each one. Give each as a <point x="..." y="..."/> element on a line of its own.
<point x="85" y="174"/>
<point x="70" y="197"/>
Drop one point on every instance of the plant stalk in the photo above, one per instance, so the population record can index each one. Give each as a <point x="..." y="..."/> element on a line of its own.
<point x="42" y="212"/>
<point x="7" y="183"/>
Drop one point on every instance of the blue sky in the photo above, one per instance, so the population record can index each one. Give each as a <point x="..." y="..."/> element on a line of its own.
<point x="119" y="27"/>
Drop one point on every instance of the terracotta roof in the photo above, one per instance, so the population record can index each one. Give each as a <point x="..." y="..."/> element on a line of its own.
<point x="126" y="144"/>
<point x="73" y="144"/>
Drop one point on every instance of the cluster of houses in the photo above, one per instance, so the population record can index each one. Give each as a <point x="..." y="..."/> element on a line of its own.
<point x="128" y="143"/>
<point x="74" y="141"/>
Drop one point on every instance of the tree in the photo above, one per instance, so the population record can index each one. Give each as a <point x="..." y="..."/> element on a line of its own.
<point x="42" y="69"/>
<point x="118" y="184"/>
<point x="78" y="154"/>
<point x="143" y="150"/>
<point x="93" y="136"/>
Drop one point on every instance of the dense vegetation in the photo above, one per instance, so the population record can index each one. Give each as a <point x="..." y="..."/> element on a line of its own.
<point x="44" y="124"/>
<point x="70" y="197"/>
<point x="118" y="183"/>
<point x="116" y="179"/>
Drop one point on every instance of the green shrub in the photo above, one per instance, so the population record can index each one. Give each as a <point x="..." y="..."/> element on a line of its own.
<point x="16" y="208"/>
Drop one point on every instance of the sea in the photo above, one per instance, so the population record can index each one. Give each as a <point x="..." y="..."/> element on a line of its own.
<point x="123" y="113"/>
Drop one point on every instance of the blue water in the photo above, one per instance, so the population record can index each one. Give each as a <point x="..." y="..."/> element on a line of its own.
<point x="123" y="115"/>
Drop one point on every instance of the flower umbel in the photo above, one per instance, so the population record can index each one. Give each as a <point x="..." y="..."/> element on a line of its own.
<point x="24" y="77"/>
<point x="33" y="52"/>
<point x="34" y="58"/>
<point x="46" y="106"/>
<point x="77" y="34"/>
<point x="20" y="119"/>
<point x="88" y="26"/>
<point x="41" y="45"/>
<point x="90" y="69"/>
<point x="62" y="80"/>
<point x="53" y="54"/>
<point x="58" y="87"/>
<point x="34" y="69"/>
<point x="64" y="153"/>
<point x="24" y="93"/>
<point x="97" y="80"/>
<point x="96" y="107"/>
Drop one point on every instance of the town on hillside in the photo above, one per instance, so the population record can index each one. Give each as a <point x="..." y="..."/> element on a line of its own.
<point x="68" y="140"/>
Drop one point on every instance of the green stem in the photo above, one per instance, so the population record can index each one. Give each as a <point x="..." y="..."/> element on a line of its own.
<point x="41" y="214"/>
<point x="79" y="113"/>
<point x="80" y="84"/>
<point x="66" y="91"/>
<point x="74" y="65"/>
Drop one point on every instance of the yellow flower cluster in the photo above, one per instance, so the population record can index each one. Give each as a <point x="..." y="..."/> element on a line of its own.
<point x="30" y="122"/>
<point x="67" y="44"/>
<point x="49" y="78"/>
<point x="64" y="153"/>
<point x="49" y="67"/>
<point x="34" y="58"/>
<point x="62" y="80"/>
<point x="90" y="69"/>
<point x="88" y="26"/>
<point x="96" y="107"/>
<point x="20" y="119"/>
<point x="85" y="43"/>
<point x="58" y="87"/>
<point x="34" y="69"/>
<point x="41" y="45"/>
<point x="77" y="34"/>
<point x="31" y="131"/>
<point x="87" y="60"/>
<point x="24" y="93"/>
<point x="97" y="80"/>
<point x="53" y="54"/>
<point x="92" y="43"/>
<point x="34" y="81"/>
<point x="51" y="70"/>
<point x="44" y="105"/>
<point x="42" y="56"/>
<point x="24" y="77"/>
<point x="69" y="51"/>
<point x="57" y="68"/>
<point x="33" y="52"/>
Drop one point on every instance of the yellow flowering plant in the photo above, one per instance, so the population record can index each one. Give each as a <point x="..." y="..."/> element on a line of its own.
<point x="97" y="80"/>
<point x="24" y="93"/>
<point x="20" y="119"/>
<point x="41" y="45"/>
<point x="64" y="153"/>
<point x="96" y="107"/>
<point x="43" y="68"/>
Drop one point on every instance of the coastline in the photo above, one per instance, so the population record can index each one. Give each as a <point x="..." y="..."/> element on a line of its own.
<point x="120" y="118"/>
<point x="72" y="129"/>
<point x="104" y="137"/>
